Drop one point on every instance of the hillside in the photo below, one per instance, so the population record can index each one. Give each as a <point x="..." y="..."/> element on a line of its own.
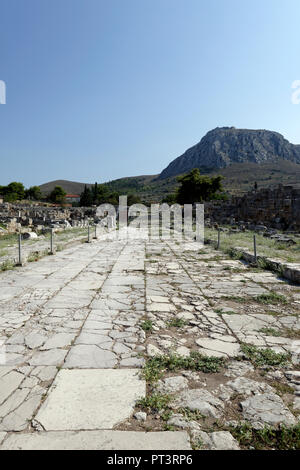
<point x="71" y="187"/>
<point x="225" y="146"/>
<point x="238" y="178"/>
<point x="242" y="156"/>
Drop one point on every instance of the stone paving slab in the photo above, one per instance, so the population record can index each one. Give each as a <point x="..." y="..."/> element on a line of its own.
<point x="98" y="440"/>
<point x="90" y="399"/>
<point x="68" y="320"/>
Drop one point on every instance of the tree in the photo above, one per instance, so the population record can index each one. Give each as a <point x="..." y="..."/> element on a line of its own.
<point x="11" y="197"/>
<point x="197" y="188"/>
<point x="95" y="193"/>
<point x="98" y="194"/>
<point x="34" y="193"/>
<point x="133" y="199"/>
<point x="58" y="195"/>
<point x="103" y="194"/>
<point x="113" y="198"/>
<point x="13" y="192"/>
<point x="170" y="199"/>
<point x="86" y="197"/>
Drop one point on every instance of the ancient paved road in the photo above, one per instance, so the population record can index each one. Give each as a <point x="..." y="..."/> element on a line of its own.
<point x="74" y="346"/>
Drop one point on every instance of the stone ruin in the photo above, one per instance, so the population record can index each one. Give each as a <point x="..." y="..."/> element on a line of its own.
<point x="20" y="218"/>
<point x="277" y="208"/>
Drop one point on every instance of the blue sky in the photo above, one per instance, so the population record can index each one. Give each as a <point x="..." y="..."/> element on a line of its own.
<point x="101" y="89"/>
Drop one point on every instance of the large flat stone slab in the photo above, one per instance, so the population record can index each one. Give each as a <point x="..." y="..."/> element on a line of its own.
<point x="215" y="347"/>
<point x="98" y="440"/>
<point x="90" y="356"/>
<point x="90" y="399"/>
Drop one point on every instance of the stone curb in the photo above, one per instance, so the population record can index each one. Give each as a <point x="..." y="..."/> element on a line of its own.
<point x="288" y="271"/>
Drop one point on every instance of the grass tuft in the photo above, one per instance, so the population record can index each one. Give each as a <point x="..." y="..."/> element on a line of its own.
<point x="264" y="357"/>
<point x="176" y="322"/>
<point x="147" y="325"/>
<point x="154" y="367"/>
<point x="284" y="438"/>
<point x="155" y="402"/>
<point x="271" y="298"/>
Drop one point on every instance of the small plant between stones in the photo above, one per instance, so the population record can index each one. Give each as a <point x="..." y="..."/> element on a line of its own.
<point x="147" y="325"/>
<point x="284" y="438"/>
<point x="264" y="357"/>
<point x="176" y="322"/>
<point x="155" y="366"/>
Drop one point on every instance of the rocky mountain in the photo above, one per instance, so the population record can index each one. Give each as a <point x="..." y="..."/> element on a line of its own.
<point x="224" y="146"/>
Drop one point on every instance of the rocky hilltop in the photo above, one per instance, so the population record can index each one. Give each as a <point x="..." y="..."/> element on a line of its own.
<point x="226" y="145"/>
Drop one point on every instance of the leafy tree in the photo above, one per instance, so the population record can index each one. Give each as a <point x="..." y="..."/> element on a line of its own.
<point x="197" y="188"/>
<point x="98" y="194"/>
<point x="58" y="195"/>
<point x="86" y="197"/>
<point x="113" y="198"/>
<point x="11" y="197"/>
<point x="13" y="192"/>
<point x="133" y="199"/>
<point x="34" y="193"/>
<point x="170" y="199"/>
<point x="103" y="194"/>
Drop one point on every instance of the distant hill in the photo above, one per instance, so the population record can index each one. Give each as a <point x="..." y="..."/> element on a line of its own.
<point x="225" y="146"/>
<point x="71" y="187"/>
<point x="238" y="178"/>
<point x="242" y="156"/>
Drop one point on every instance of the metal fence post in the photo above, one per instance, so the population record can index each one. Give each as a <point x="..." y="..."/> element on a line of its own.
<point x="20" y="250"/>
<point x="254" y="246"/>
<point x="51" y="242"/>
<point x="89" y="235"/>
<point x="95" y="232"/>
<point x="218" y="245"/>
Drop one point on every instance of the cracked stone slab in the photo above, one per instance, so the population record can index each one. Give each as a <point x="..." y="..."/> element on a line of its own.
<point x="59" y="340"/>
<point x="238" y="369"/>
<point x="90" y="399"/>
<point x="245" y="386"/>
<point x="267" y="409"/>
<point x="8" y="383"/>
<point x="89" y="357"/>
<point x="18" y="419"/>
<point x="53" y="357"/>
<point x="172" y="384"/>
<point x="220" y="440"/>
<point x="98" y="440"/>
<point x="215" y="347"/>
<point x="201" y="400"/>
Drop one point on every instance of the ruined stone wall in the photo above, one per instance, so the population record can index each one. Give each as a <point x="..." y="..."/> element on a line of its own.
<point x="278" y="208"/>
<point x="15" y="216"/>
